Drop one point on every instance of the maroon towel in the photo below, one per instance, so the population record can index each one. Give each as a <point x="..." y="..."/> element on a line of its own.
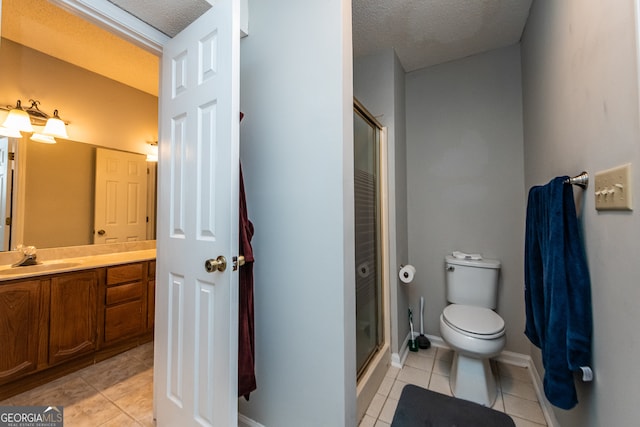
<point x="246" y="336"/>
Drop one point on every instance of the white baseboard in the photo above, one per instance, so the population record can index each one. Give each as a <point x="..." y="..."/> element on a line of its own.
<point x="244" y="421"/>
<point x="515" y="359"/>
<point x="547" y="410"/>
<point x="397" y="359"/>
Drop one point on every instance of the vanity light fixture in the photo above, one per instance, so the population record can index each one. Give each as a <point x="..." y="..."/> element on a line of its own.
<point x="11" y="133"/>
<point x="152" y="155"/>
<point x="18" y="119"/>
<point x="45" y="139"/>
<point x="55" y="127"/>
<point x="21" y="120"/>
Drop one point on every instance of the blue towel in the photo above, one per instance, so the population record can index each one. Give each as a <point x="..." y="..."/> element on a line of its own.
<point x="557" y="289"/>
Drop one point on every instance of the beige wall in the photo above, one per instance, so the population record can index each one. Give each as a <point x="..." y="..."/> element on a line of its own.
<point x="58" y="194"/>
<point x="580" y="94"/>
<point x="100" y="111"/>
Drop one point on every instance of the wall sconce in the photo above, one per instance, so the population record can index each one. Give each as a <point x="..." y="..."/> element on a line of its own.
<point x="152" y="155"/>
<point x="21" y="120"/>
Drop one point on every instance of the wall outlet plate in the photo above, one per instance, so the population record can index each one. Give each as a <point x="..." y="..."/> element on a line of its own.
<point x="613" y="189"/>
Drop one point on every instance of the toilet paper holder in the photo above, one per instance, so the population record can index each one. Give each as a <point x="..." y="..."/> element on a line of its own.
<point x="400" y="269"/>
<point x="406" y="273"/>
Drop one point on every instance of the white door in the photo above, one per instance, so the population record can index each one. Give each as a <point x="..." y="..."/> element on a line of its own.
<point x="196" y="336"/>
<point x="120" y="197"/>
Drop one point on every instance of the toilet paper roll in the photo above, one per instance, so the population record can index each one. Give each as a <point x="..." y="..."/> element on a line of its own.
<point x="407" y="273"/>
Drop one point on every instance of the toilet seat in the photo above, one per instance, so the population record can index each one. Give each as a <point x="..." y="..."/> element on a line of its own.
<point x="477" y="322"/>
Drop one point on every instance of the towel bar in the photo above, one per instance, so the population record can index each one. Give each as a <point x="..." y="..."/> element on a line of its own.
<point x="581" y="180"/>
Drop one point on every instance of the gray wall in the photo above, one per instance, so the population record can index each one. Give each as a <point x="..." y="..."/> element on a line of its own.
<point x="297" y="157"/>
<point x="580" y="88"/>
<point x="465" y="178"/>
<point x="379" y="84"/>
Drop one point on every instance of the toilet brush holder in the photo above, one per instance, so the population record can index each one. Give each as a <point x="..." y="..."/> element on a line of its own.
<point x="413" y="345"/>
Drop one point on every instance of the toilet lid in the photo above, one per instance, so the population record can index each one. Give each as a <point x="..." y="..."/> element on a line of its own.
<point x="478" y="321"/>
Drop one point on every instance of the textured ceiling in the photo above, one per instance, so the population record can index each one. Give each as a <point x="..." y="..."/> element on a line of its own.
<point x="44" y="27"/>
<point x="422" y="32"/>
<point x="429" y="32"/>
<point x="167" y="16"/>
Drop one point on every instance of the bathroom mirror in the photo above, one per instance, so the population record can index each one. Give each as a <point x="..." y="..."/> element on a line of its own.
<point x="101" y="109"/>
<point x="50" y="193"/>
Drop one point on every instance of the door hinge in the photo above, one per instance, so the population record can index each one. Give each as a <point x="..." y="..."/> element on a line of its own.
<point x="12" y="155"/>
<point x="7" y="221"/>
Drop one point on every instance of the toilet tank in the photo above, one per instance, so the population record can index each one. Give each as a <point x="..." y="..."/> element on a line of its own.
<point x="472" y="282"/>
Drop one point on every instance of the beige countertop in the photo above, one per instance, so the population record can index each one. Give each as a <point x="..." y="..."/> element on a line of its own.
<point x="74" y="264"/>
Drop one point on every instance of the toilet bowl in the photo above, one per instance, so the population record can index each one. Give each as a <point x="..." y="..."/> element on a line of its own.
<point x="475" y="334"/>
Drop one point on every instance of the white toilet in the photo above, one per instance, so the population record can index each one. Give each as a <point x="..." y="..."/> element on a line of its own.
<point x="471" y="328"/>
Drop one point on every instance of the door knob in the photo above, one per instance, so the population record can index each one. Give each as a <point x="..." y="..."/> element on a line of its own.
<point x="238" y="261"/>
<point x="218" y="264"/>
<point x="101" y="232"/>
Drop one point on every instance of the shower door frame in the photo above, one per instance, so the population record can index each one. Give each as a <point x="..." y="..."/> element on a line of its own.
<point x="382" y="244"/>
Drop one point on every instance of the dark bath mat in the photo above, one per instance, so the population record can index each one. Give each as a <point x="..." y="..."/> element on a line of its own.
<point x="418" y="407"/>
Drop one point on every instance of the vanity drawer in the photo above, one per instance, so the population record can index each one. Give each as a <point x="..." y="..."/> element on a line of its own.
<point x="122" y="321"/>
<point x="117" y="294"/>
<point x="124" y="273"/>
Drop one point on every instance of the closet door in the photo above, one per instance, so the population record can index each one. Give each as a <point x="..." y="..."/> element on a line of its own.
<point x="196" y="324"/>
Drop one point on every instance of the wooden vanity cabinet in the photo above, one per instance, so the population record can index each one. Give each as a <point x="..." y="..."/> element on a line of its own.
<point x="62" y="322"/>
<point x="24" y="319"/>
<point x="125" y="314"/>
<point x="73" y="320"/>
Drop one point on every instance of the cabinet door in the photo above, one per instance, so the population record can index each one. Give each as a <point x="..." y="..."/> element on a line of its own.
<point x="22" y="316"/>
<point x="123" y="321"/>
<point x="74" y="310"/>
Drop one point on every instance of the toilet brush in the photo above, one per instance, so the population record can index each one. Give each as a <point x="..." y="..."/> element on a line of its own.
<point x="422" y="340"/>
<point x="412" y="343"/>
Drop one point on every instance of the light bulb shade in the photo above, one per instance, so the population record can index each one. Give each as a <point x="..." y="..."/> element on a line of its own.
<point x="55" y="127"/>
<point x="45" y="139"/>
<point x="11" y="133"/>
<point x="18" y="119"/>
<point x="152" y="152"/>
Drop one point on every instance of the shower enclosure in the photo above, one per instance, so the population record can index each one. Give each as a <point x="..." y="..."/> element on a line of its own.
<point x="368" y="231"/>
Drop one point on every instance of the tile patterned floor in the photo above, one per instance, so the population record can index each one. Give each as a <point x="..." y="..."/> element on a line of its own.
<point x="117" y="392"/>
<point x="430" y="369"/>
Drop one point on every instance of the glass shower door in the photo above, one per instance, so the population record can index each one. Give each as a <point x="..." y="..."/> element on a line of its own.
<point x="368" y="260"/>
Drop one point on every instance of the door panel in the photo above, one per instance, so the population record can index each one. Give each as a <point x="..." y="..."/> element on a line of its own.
<point x="121" y="197"/>
<point x="196" y="311"/>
